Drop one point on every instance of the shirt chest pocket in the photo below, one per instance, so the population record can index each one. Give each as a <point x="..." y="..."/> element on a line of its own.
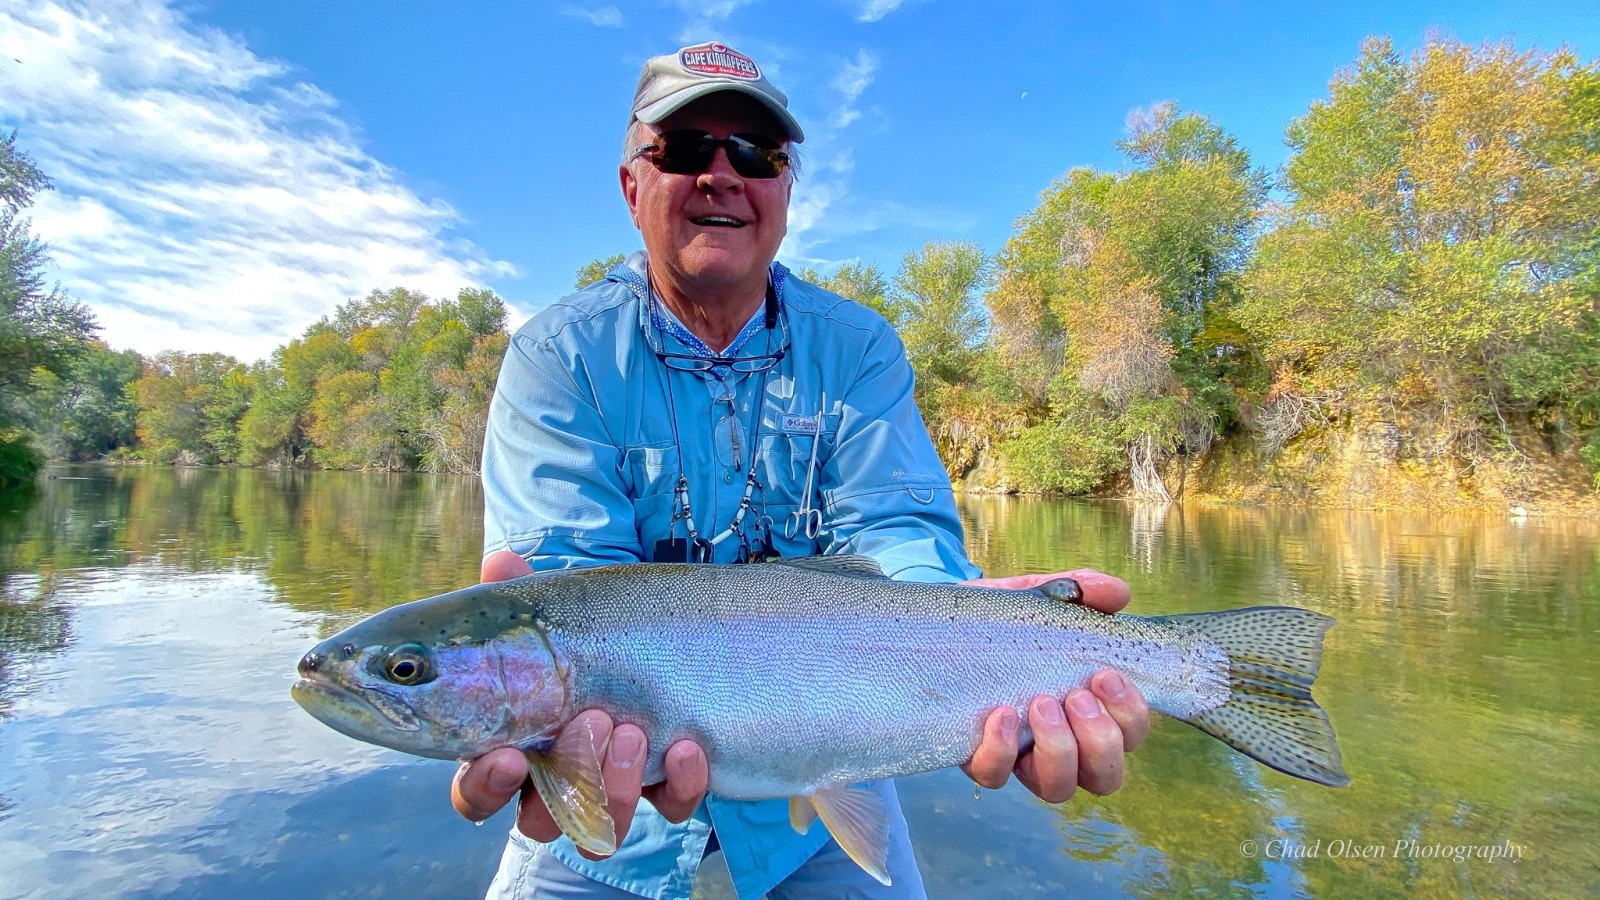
<point x="789" y="456"/>
<point x="652" y="473"/>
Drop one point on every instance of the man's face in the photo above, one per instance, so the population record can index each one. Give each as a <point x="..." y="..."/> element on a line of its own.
<point x="715" y="232"/>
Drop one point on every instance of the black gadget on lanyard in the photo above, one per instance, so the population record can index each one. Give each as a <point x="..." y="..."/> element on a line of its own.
<point x="670" y="549"/>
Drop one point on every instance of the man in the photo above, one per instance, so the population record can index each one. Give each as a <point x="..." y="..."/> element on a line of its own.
<point x="699" y="403"/>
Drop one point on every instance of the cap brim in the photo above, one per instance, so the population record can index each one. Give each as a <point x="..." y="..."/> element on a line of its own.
<point x="671" y="103"/>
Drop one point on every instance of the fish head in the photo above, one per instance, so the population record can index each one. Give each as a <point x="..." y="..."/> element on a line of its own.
<point x="447" y="680"/>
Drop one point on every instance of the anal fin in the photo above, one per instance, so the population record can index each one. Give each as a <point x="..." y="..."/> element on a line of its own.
<point x="801" y="814"/>
<point x="570" y="784"/>
<point x="858" y="822"/>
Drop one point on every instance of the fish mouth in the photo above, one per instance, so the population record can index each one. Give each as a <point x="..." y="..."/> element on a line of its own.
<point x="352" y="713"/>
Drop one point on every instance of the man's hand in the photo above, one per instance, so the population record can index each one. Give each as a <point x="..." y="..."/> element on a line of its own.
<point x="485" y="785"/>
<point x="1077" y="744"/>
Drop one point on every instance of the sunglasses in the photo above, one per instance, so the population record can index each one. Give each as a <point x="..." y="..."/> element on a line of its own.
<point x="689" y="151"/>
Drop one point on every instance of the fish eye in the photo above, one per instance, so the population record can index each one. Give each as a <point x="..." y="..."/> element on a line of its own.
<point x="408" y="665"/>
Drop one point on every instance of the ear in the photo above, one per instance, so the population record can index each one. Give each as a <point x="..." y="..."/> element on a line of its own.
<point x="630" y="192"/>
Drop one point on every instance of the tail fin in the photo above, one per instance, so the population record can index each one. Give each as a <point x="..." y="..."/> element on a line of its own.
<point x="1273" y="655"/>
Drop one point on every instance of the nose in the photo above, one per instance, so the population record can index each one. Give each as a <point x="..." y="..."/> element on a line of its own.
<point x="309" y="663"/>
<point x="720" y="175"/>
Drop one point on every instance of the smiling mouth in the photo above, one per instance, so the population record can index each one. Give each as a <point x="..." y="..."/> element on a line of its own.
<point x="717" y="222"/>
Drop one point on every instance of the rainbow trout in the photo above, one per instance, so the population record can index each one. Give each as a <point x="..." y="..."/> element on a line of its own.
<point x="799" y="677"/>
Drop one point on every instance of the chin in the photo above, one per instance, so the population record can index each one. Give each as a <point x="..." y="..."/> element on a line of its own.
<point x="723" y="266"/>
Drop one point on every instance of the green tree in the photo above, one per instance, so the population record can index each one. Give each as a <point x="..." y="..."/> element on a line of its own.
<point x="189" y="407"/>
<point x="1436" y="253"/>
<point x="456" y="433"/>
<point x="1105" y="311"/>
<point x="934" y="304"/>
<point x="393" y="381"/>
<point x="350" y="427"/>
<point x="941" y="317"/>
<point x="41" y="329"/>
<point x="596" y="269"/>
<point x="461" y="361"/>
<point x="862" y="282"/>
<point x="88" y="413"/>
<point x="276" y="428"/>
<point x="481" y="310"/>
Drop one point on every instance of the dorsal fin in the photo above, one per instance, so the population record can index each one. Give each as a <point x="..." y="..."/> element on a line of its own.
<point x="856" y="566"/>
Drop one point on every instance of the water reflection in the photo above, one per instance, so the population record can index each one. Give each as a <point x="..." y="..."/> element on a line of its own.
<point x="1455" y="680"/>
<point x="149" y="620"/>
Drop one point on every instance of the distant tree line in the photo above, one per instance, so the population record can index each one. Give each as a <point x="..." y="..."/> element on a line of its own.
<point x="1429" y="257"/>
<point x="396" y="380"/>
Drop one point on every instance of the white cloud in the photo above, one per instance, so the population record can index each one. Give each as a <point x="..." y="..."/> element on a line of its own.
<point x="704" y="20"/>
<point x="604" y="17"/>
<point x="714" y="10"/>
<point x="875" y="10"/>
<point x="825" y="188"/>
<point x="205" y="199"/>
<point x="851" y="82"/>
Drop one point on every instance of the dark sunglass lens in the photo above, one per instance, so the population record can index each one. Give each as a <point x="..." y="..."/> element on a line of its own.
<point x="689" y="151"/>
<point x="756" y="156"/>
<point x="684" y="152"/>
<point x="752" y="163"/>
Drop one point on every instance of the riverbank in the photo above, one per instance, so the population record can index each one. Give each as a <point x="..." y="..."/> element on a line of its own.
<point x="1374" y="466"/>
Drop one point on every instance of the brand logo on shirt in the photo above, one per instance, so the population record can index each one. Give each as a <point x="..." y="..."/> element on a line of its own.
<point x="718" y="60"/>
<point x="793" y="424"/>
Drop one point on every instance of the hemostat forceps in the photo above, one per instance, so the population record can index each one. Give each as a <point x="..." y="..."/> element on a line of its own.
<point x="807" y="519"/>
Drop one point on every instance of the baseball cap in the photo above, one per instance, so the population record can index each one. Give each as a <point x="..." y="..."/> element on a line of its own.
<point x="669" y="83"/>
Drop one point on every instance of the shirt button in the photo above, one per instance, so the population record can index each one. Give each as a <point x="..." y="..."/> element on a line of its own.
<point x="727" y="476"/>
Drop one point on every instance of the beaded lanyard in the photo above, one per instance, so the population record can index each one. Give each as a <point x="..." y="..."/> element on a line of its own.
<point x="701" y="549"/>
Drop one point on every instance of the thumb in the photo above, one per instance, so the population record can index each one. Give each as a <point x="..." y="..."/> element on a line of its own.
<point x="503" y="565"/>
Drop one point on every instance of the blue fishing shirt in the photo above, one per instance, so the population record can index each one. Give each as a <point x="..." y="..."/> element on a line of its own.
<point x="581" y="463"/>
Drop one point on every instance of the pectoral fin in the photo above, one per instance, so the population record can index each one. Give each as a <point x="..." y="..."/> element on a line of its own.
<point x="572" y="788"/>
<point x="857" y="820"/>
<point x="801" y="814"/>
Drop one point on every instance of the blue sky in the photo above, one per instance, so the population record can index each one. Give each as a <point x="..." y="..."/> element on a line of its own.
<point x="228" y="172"/>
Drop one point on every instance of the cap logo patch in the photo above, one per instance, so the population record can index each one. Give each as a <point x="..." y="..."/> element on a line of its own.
<point x="718" y="60"/>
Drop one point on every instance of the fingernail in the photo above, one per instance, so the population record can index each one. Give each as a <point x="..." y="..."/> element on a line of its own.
<point x="1008" y="725"/>
<point x="1084" y="704"/>
<point x="504" y="780"/>
<point x="683" y="763"/>
<point x="1049" y="712"/>
<point x="626" y="748"/>
<point x="1114" y="686"/>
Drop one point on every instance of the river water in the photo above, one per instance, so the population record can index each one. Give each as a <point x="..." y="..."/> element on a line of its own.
<point x="150" y="621"/>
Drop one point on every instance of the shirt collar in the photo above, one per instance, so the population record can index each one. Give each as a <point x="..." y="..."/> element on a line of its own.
<point x="633" y="272"/>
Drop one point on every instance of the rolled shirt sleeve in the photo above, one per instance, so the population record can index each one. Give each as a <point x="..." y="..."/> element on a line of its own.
<point x="554" y="489"/>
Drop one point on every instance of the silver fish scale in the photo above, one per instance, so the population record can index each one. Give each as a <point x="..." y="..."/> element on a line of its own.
<point x="795" y="679"/>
